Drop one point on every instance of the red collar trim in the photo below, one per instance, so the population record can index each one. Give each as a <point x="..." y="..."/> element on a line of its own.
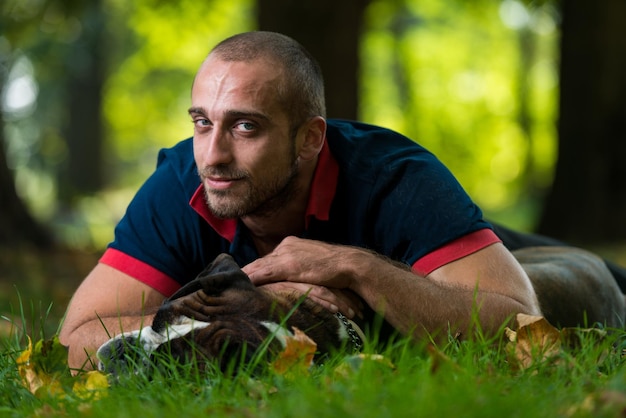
<point x="323" y="187"/>
<point x="321" y="197"/>
<point x="225" y="227"/>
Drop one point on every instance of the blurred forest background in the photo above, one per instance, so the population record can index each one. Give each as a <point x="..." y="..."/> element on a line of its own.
<point x="525" y="101"/>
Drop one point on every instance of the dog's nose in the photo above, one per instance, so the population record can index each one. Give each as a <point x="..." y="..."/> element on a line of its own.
<point x="113" y="353"/>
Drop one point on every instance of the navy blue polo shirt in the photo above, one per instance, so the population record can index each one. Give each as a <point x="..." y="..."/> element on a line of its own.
<point x="372" y="188"/>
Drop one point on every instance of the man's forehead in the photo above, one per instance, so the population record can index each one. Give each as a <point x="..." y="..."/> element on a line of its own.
<point x="237" y="86"/>
<point x="259" y="69"/>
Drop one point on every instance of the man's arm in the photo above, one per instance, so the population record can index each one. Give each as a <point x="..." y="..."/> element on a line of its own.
<point x="107" y="303"/>
<point x="490" y="279"/>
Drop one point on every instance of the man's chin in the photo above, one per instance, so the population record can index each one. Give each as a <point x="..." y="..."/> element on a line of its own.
<point x="223" y="207"/>
<point x="223" y="212"/>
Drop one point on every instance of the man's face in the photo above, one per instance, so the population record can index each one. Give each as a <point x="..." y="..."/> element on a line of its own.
<point x="246" y="159"/>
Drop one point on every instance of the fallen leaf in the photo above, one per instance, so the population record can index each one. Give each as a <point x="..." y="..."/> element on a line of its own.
<point x="50" y="356"/>
<point x="297" y="356"/>
<point x="603" y="403"/>
<point x="259" y="389"/>
<point x="611" y="402"/>
<point x="577" y="337"/>
<point x="90" y="385"/>
<point x="30" y="379"/>
<point x="438" y="359"/>
<point x="44" y="372"/>
<point x="354" y="363"/>
<point x="534" y="341"/>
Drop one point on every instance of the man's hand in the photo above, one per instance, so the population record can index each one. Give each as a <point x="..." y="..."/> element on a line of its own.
<point x="307" y="267"/>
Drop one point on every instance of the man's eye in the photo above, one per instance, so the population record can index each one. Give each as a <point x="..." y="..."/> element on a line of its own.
<point x="245" y="126"/>
<point x="201" y="122"/>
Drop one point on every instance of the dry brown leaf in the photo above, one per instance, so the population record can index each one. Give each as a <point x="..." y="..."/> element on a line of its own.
<point x="439" y="359"/>
<point x="604" y="403"/>
<point x="297" y="357"/>
<point x="535" y="340"/>
<point x="576" y="337"/>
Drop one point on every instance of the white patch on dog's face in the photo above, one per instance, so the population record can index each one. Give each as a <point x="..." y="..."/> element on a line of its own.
<point x="182" y="327"/>
<point x="278" y="331"/>
<point x="147" y="339"/>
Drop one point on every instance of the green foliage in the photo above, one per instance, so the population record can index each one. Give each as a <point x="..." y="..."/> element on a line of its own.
<point x="153" y="49"/>
<point x="147" y="95"/>
<point x="478" y="93"/>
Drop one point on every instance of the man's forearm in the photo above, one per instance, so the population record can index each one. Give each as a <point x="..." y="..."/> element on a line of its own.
<point x="84" y="341"/>
<point x="489" y="281"/>
<point x="422" y="307"/>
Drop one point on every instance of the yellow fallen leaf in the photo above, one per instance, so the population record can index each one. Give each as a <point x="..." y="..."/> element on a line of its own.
<point x="50" y="356"/>
<point x="90" y="385"/>
<point x="352" y="364"/>
<point x="24" y="358"/>
<point x="297" y="356"/>
<point x="44" y="372"/>
<point x="25" y="367"/>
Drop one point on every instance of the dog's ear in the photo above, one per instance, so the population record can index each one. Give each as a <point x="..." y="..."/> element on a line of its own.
<point x="221" y="274"/>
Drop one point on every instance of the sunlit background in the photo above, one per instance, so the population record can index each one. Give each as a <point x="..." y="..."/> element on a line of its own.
<point x="475" y="82"/>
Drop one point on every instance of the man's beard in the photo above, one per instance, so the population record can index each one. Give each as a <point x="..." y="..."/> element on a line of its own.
<point x="258" y="200"/>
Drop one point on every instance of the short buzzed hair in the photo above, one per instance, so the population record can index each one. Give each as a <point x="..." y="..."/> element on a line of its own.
<point x="302" y="92"/>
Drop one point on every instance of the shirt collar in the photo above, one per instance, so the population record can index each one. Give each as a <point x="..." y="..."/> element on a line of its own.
<point x="321" y="196"/>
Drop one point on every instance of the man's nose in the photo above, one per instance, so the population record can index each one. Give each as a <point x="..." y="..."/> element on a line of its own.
<point x="217" y="148"/>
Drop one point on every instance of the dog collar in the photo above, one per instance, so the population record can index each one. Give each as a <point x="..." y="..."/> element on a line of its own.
<point x="356" y="336"/>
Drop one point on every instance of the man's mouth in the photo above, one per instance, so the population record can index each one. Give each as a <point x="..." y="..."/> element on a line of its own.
<point x="220" y="183"/>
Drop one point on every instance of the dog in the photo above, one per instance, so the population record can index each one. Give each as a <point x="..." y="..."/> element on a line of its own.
<point x="222" y="317"/>
<point x="574" y="287"/>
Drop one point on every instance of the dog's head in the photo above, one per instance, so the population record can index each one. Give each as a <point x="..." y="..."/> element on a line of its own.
<point x="219" y="317"/>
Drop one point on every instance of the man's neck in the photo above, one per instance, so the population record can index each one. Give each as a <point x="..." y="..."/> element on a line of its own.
<point x="269" y="229"/>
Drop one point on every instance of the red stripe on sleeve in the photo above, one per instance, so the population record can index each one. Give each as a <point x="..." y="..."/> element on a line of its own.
<point x="141" y="271"/>
<point x="455" y="250"/>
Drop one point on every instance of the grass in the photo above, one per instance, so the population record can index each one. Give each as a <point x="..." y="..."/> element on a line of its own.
<point x="468" y="379"/>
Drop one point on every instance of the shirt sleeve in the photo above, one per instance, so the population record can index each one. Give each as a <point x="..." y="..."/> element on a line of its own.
<point x="455" y="250"/>
<point x="161" y="240"/>
<point x="141" y="271"/>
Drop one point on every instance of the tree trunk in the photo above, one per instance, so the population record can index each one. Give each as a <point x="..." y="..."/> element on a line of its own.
<point x="587" y="203"/>
<point x="330" y="30"/>
<point x="17" y="226"/>
<point x="83" y="173"/>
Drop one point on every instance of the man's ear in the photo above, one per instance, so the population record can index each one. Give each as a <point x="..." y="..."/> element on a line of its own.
<point x="312" y="134"/>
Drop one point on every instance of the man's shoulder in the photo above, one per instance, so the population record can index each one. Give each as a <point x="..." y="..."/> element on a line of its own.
<point x="181" y="154"/>
<point x="176" y="173"/>
<point x="178" y="164"/>
<point x="353" y="131"/>
<point x="364" y="148"/>
<point x="374" y="141"/>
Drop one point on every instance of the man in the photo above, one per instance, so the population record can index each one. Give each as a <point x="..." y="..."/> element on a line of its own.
<point x="337" y="209"/>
